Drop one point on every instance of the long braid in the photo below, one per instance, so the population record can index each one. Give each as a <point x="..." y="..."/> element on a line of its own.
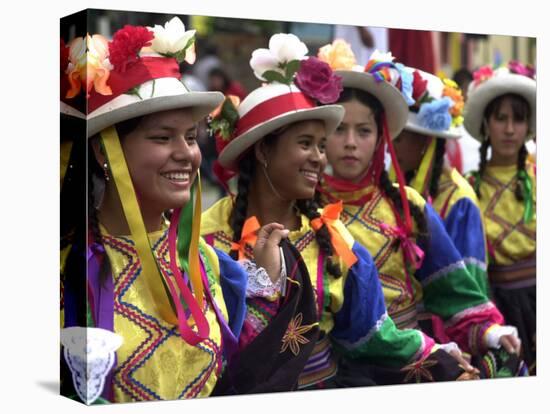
<point x="437" y="168"/>
<point x="482" y="164"/>
<point x="247" y="168"/>
<point x="95" y="175"/>
<point x="73" y="230"/>
<point x="522" y="157"/>
<point x="393" y="193"/>
<point x="309" y="208"/>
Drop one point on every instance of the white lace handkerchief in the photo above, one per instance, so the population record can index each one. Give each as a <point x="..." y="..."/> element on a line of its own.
<point x="90" y="355"/>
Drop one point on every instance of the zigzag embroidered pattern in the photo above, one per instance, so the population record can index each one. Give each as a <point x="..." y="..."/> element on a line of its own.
<point x="156" y="333"/>
<point x="508" y="228"/>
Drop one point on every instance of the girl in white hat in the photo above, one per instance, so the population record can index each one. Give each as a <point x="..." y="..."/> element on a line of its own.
<point x="501" y="114"/>
<point x="417" y="261"/>
<point x="159" y="309"/>
<point x="275" y="141"/>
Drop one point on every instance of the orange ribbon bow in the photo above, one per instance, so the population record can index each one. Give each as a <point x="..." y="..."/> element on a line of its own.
<point x="248" y="236"/>
<point x="329" y="217"/>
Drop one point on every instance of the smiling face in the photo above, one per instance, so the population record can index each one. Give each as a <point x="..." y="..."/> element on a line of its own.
<point x="296" y="159"/>
<point x="351" y="147"/>
<point x="507" y="126"/>
<point x="163" y="157"/>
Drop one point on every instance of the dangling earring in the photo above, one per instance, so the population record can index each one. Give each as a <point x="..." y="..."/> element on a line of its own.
<point x="269" y="181"/>
<point x="106" y="171"/>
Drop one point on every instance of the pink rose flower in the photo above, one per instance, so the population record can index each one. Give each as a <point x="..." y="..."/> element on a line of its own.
<point x="482" y="74"/>
<point x="316" y="79"/>
<point x="519" y="68"/>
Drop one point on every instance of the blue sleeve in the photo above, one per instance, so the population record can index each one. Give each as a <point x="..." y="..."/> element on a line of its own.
<point x="464" y="226"/>
<point x="233" y="280"/>
<point x="439" y="250"/>
<point x="448" y="283"/>
<point x="362" y="327"/>
<point x="363" y="304"/>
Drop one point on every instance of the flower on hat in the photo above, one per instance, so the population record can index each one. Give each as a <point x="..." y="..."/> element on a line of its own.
<point x="338" y="55"/>
<point x="126" y="44"/>
<point x="89" y="65"/>
<point x="378" y="56"/>
<point x="407" y="79"/>
<point x="64" y="56"/>
<point x="223" y="121"/>
<point x="173" y="40"/>
<point x="519" y="68"/>
<point x="316" y="79"/>
<point x="281" y="61"/>
<point x="435" y="115"/>
<point x="381" y="66"/>
<point x="420" y="86"/>
<point x="482" y="74"/>
<point x="451" y="90"/>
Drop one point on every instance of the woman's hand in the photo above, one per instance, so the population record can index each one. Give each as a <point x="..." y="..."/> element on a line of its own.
<point x="266" y="250"/>
<point x="463" y="362"/>
<point x="510" y="343"/>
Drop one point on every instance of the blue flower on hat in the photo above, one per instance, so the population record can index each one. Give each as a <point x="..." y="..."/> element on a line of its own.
<point x="435" y="115"/>
<point x="406" y="83"/>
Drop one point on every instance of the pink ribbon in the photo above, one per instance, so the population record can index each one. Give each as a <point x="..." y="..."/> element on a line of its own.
<point x="413" y="254"/>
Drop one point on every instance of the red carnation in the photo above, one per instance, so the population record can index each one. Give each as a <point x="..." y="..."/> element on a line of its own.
<point x="126" y="44"/>
<point x="419" y="86"/>
<point x="64" y="56"/>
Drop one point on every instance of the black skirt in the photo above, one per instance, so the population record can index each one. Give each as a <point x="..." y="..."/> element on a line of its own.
<point x="515" y="294"/>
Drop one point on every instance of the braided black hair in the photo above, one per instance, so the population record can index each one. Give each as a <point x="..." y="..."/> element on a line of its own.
<point x="247" y="169"/>
<point x="367" y="99"/>
<point x="522" y="157"/>
<point x="482" y="164"/>
<point x="437" y="168"/>
<point x="393" y="194"/>
<point x="95" y="175"/>
<point x="309" y="208"/>
<point x="73" y="223"/>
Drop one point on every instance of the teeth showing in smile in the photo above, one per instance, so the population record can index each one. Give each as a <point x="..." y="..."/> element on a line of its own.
<point x="177" y="176"/>
<point x="310" y="174"/>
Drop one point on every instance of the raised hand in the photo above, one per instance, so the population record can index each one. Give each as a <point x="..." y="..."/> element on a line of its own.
<point x="266" y="249"/>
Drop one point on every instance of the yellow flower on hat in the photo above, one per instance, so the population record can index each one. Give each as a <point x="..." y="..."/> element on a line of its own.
<point x="450" y="83"/>
<point x="338" y="55"/>
<point x="452" y="90"/>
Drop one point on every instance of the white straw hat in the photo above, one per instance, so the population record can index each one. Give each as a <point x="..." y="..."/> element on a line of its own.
<point x="489" y="84"/>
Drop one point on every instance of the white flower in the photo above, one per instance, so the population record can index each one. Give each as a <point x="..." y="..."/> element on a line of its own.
<point x="171" y="38"/>
<point x="283" y="48"/>
<point x="381" y="57"/>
